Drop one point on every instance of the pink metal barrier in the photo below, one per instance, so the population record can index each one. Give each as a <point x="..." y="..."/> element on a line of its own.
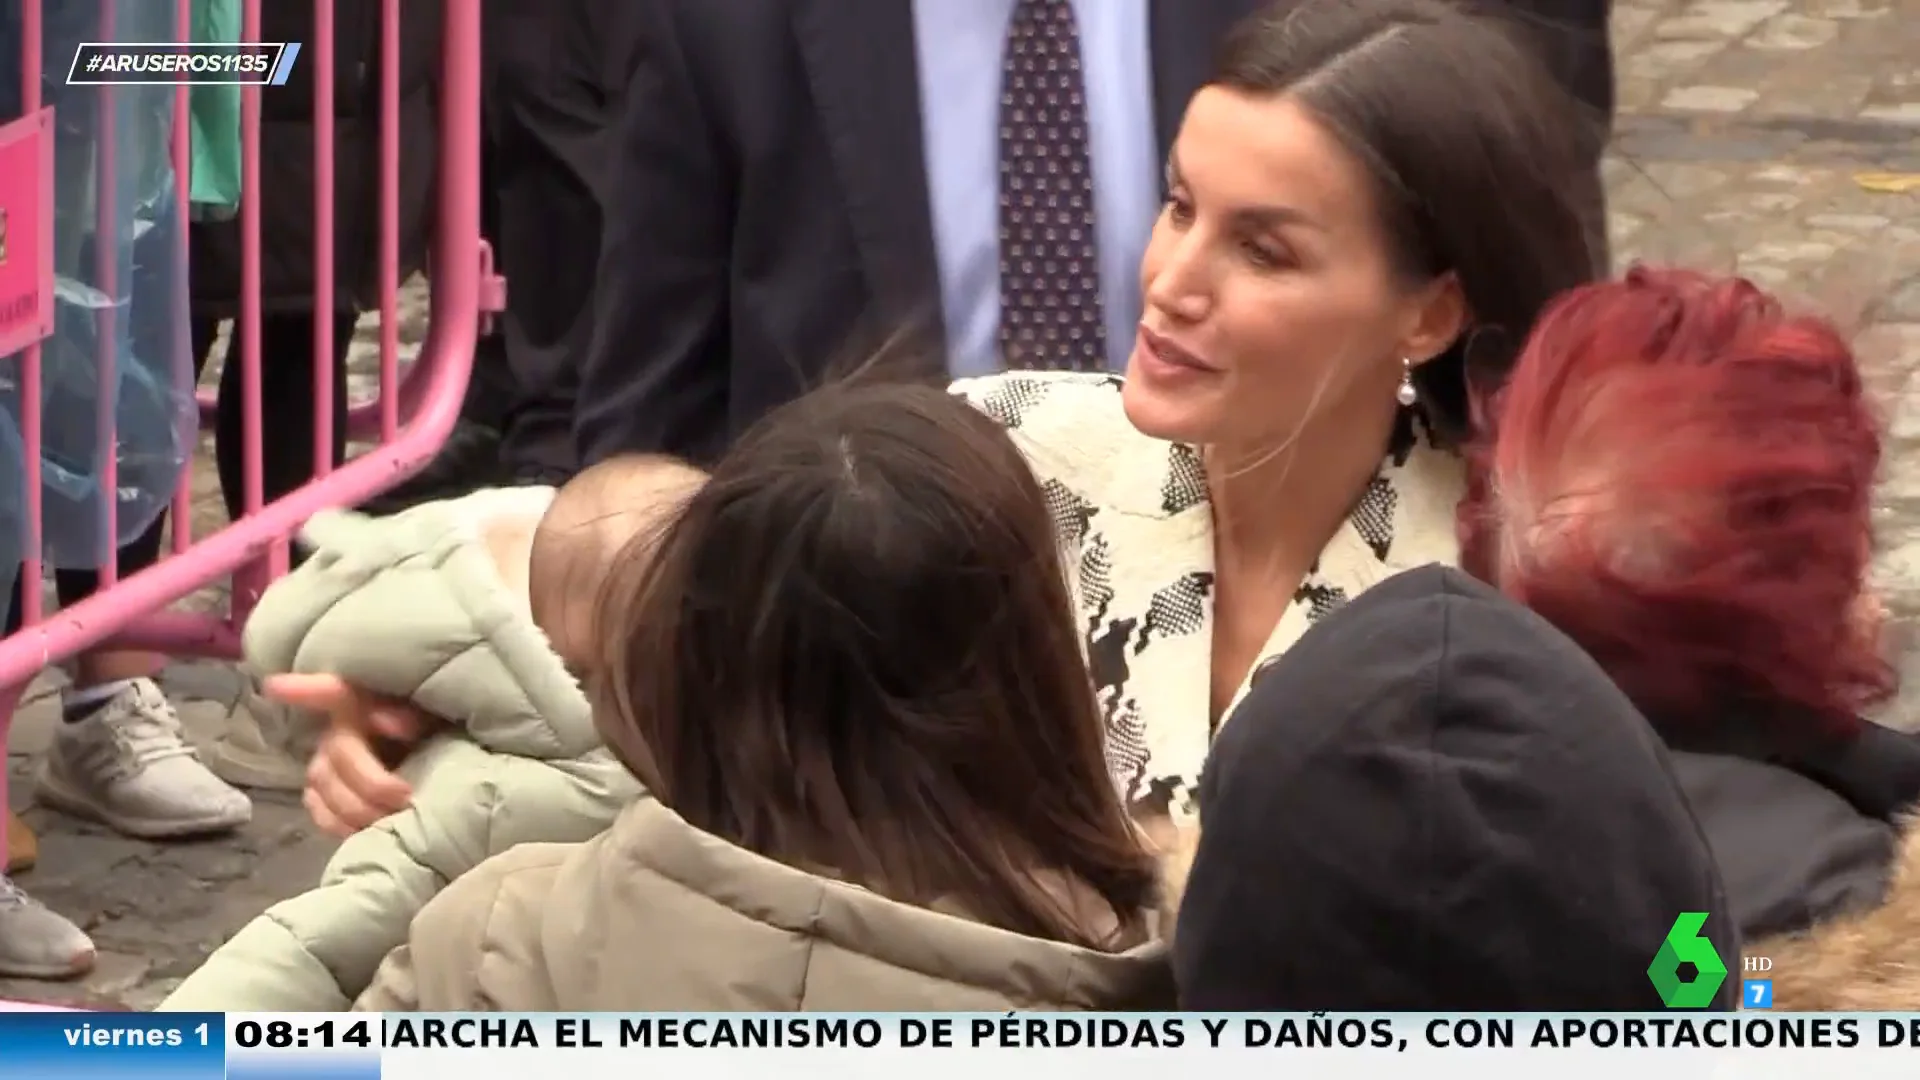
<point x="411" y="417"/>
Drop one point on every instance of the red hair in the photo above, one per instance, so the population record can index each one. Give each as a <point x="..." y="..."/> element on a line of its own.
<point x="1679" y="475"/>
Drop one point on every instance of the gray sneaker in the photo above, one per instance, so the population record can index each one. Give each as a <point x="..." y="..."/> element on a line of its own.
<point x="129" y="767"/>
<point x="264" y="744"/>
<point x="35" y="943"/>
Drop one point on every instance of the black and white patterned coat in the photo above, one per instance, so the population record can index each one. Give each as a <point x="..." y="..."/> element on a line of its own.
<point x="1135" y="524"/>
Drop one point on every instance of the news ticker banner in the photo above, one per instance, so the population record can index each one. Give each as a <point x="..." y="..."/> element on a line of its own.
<point x="955" y="1046"/>
<point x="256" y="63"/>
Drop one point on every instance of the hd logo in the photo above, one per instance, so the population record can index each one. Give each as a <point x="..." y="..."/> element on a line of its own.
<point x="1756" y="993"/>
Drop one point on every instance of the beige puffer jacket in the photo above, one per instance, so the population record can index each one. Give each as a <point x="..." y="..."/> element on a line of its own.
<point x="657" y="915"/>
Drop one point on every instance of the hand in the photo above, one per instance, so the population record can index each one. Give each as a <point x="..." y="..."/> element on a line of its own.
<point x="349" y="786"/>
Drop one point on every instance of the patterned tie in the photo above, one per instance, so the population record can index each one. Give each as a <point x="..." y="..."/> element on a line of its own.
<point x="1049" y="270"/>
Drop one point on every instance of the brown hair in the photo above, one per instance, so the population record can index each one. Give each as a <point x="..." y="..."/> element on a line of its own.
<point x="855" y="652"/>
<point x="1482" y="165"/>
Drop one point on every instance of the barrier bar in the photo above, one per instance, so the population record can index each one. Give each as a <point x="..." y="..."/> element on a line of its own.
<point x="180" y="517"/>
<point x="324" y="166"/>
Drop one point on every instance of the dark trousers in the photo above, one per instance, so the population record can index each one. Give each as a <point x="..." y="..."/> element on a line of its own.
<point x="555" y="72"/>
<point x="491" y="389"/>
<point x="286" y="445"/>
<point x="286" y="403"/>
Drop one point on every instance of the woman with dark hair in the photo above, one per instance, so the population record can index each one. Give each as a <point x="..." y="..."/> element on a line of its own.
<point x="848" y="675"/>
<point x="1682" y="482"/>
<point x="1367" y="207"/>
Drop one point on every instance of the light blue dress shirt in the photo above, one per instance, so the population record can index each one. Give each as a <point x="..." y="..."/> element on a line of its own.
<point x="958" y="46"/>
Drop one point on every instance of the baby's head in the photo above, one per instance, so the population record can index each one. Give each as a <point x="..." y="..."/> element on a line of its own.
<point x="610" y="511"/>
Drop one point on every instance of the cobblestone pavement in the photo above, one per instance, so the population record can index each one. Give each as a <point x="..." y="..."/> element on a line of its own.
<point x="1781" y="137"/>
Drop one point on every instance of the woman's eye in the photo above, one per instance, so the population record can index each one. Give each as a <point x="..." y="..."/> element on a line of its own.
<point x="1179" y="211"/>
<point x="1263" y="255"/>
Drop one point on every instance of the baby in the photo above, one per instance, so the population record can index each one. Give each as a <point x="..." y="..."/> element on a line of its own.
<point x="608" y="511"/>
<point x="480" y="611"/>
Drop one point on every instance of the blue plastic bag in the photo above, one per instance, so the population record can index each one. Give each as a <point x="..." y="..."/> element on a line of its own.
<point x="136" y="297"/>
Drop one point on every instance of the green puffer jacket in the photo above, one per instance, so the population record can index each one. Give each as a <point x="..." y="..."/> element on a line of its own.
<point x="414" y="607"/>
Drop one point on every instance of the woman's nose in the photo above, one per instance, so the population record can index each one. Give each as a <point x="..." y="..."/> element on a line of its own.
<point x="1180" y="288"/>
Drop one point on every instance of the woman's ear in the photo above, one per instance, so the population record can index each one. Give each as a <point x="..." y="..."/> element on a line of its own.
<point x="1439" y="316"/>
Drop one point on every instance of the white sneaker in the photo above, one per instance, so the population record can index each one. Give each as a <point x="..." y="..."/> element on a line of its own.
<point x="35" y="943"/>
<point x="129" y="767"/>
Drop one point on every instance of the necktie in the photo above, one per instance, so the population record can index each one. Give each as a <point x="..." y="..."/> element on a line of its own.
<point x="1049" y="271"/>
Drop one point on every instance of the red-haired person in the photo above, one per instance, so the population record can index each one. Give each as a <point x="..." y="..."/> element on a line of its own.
<point x="1678" y="475"/>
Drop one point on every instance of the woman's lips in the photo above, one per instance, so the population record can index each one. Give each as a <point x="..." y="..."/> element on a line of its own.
<point x="1171" y="353"/>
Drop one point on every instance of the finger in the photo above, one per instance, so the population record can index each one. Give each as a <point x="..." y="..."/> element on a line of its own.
<point x="322" y="815"/>
<point x="342" y="807"/>
<point x="360" y="771"/>
<point x="345" y="811"/>
<point x="341" y="784"/>
<point x="319" y="767"/>
<point x="329" y="694"/>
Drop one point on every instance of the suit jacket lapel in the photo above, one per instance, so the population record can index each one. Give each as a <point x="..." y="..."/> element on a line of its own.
<point x="859" y="56"/>
<point x="1185" y="35"/>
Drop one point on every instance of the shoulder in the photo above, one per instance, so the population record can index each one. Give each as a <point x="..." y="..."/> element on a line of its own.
<point x="519" y="875"/>
<point x="1841" y="859"/>
<point x="1866" y="961"/>
<point x="474" y="945"/>
<point x="497" y="900"/>
<point x="1074" y="431"/>
<point x="712" y="34"/>
<point x="351" y="538"/>
<point x="1015" y="398"/>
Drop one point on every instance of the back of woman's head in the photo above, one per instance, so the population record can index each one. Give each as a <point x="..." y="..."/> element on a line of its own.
<point x="1482" y="166"/>
<point x="854" y="652"/>
<point x="1679" y="475"/>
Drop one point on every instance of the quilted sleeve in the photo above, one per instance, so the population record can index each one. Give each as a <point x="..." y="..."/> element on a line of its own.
<point x="347" y="551"/>
<point x="415" y="608"/>
<point x="319" y="950"/>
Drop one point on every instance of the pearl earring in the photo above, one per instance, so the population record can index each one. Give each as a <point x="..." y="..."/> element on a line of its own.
<point x="1406" y="395"/>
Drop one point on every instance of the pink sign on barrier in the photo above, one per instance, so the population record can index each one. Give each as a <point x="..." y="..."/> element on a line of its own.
<point x="26" y="231"/>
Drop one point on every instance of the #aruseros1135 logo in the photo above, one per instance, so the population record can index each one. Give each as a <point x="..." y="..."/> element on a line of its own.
<point x="171" y="63"/>
<point x="1686" y="945"/>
